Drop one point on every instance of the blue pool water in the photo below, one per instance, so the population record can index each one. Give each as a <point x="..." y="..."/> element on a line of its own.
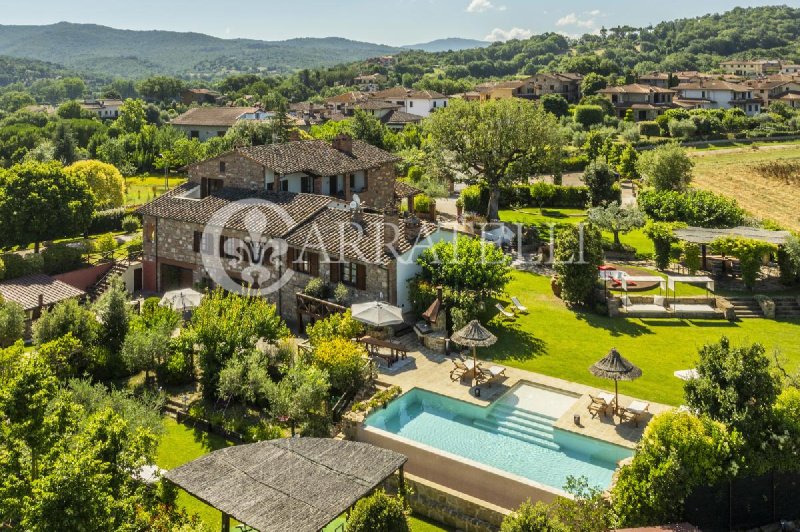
<point x="503" y="436"/>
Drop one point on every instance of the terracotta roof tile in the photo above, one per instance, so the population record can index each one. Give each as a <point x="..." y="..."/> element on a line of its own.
<point x="318" y="157"/>
<point x="212" y="116"/>
<point x="25" y="291"/>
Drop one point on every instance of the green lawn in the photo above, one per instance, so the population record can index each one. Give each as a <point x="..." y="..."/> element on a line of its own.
<point x="180" y="444"/>
<point x="532" y="216"/>
<point x="143" y="188"/>
<point x="557" y="341"/>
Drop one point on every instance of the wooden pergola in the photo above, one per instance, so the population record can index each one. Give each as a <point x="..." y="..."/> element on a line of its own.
<point x="290" y="484"/>
<point x="704" y="236"/>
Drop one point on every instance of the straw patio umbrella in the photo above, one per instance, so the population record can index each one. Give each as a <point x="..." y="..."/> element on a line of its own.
<point x="474" y="335"/>
<point x="614" y="366"/>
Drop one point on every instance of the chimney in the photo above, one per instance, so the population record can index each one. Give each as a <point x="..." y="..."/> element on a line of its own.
<point x="294" y="135"/>
<point x="412" y="227"/>
<point x="343" y="143"/>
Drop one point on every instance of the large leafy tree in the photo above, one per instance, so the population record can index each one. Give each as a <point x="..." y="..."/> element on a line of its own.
<point x="131" y="116"/>
<point x="12" y="322"/>
<point x="104" y="179"/>
<point x="161" y="88"/>
<point x="300" y="396"/>
<point x="39" y="201"/>
<point x="466" y="264"/>
<point x="666" y="167"/>
<point x="735" y="386"/>
<point x="227" y="324"/>
<point x="578" y="252"/>
<point x="498" y="142"/>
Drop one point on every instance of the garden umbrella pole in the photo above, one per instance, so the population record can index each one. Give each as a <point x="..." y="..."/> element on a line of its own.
<point x="615" y="366"/>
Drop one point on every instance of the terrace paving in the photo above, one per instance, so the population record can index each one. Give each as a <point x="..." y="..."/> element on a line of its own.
<point x="430" y="371"/>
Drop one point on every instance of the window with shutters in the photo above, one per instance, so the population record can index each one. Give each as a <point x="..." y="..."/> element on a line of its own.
<point x="348" y="273"/>
<point x="222" y="167"/>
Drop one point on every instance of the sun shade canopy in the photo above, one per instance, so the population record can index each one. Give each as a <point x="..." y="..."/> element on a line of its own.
<point x="291" y="484"/>
<point x="474" y="335"/>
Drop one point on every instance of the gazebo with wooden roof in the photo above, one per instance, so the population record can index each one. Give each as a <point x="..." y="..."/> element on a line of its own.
<point x="290" y="484"/>
<point x="705" y="236"/>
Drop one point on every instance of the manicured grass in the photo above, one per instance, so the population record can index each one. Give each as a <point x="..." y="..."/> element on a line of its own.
<point x="180" y="444"/>
<point x="560" y="342"/>
<point x="143" y="188"/>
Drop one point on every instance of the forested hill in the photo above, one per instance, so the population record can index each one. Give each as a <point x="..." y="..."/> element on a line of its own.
<point x="685" y="44"/>
<point x="134" y="54"/>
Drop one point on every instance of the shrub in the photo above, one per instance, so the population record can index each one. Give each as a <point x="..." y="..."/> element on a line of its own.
<point x="17" y="266"/>
<point x="661" y="233"/>
<point x="576" y="163"/>
<point x="691" y="257"/>
<point x="344" y="361"/>
<point x="131" y="224"/>
<point x="60" y="258"/>
<point x="589" y="115"/>
<point x="423" y="203"/>
<point x="578" y="278"/>
<point x="666" y="167"/>
<point x="471" y="196"/>
<point x="649" y="129"/>
<point x="600" y="180"/>
<point x="66" y="317"/>
<point x="178" y="366"/>
<point x="700" y="208"/>
<point x="341" y="294"/>
<point x="107" y="221"/>
<point x="262" y="431"/>
<point x="105" y="243"/>
<point x="316" y="287"/>
<point x="12" y="322"/>
<point x="681" y="128"/>
<point x="379" y="513"/>
<point x="334" y="326"/>
<point x="532" y="518"/>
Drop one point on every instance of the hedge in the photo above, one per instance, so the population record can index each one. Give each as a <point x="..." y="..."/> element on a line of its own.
<point x="701" y="208"/>
<point x="108" y="221"/>
<point x="60" y="258"/>
<point x="576" y="163"/>
<point x="21" y="266"/>
<point x="476" y="198"/>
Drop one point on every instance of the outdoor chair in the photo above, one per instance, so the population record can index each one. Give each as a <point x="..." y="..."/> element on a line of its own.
<point x="519" y="306"/>
<point x="459" y="370"/>
<point x="634" y="412"/>
<point x="489" y="374"/>
<point x="506" y="314"/>
<point x="597" y="406"/>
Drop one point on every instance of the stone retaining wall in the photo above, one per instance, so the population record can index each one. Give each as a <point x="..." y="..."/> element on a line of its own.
<point x="450" y="507"/>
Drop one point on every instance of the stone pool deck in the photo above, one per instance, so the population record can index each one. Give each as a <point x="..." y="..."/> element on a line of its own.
<point x="431" y="371"/>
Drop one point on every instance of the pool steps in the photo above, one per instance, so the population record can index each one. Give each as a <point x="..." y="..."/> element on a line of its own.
<point x="521" y="424"/>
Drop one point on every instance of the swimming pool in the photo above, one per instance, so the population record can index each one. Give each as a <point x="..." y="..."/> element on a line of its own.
<point x="510" y="435"/>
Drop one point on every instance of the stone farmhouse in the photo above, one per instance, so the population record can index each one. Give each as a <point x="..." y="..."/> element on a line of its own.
<point x="326" y="210"/>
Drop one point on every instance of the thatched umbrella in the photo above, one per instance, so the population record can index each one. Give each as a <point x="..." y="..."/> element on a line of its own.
<point x="614" y="366"/>
<point x="474" y="335"/>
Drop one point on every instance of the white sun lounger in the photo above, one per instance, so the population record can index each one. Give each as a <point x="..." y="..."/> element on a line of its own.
<point x="504" y="312"/>
<point x="519" y="306"/>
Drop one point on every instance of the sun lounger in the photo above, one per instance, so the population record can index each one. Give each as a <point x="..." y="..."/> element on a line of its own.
<point x="459" y="370"/>
<point x="489" y="374"/>
<point x="634" y="411"/>
<point x="506" y="314"/>
<point x="519" y="306"/>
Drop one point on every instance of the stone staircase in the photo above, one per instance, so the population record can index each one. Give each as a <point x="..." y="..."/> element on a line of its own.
<point x="746" y="307"/>
<point x="786" y="307"/>
<point x="521" y="424"/>
<point x="99" y="288"/>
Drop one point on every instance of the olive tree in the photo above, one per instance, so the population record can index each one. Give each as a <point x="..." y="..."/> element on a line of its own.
<point x="616" y="219"/>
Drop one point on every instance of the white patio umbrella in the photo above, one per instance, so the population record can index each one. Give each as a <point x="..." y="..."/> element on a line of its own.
<point x="182" y="300"/>
<point x="377" y="313"/>
<point x="499" y="235"/>
<point x="687" y="374"/>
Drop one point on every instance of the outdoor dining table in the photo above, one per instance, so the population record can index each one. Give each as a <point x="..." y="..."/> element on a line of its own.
<point x="397" y="351"/>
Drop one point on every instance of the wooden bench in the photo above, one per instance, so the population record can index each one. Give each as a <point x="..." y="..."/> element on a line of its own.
<point x="396" y="350"/>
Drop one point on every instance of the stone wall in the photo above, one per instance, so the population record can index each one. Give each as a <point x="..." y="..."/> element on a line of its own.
<point x="450" y="507"/>
<point x="240" y="171"/>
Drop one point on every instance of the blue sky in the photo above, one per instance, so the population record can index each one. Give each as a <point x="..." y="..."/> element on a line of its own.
<point x="394" y="22"/>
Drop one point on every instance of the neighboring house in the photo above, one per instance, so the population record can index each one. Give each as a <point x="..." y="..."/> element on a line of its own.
<point x="37" y="293"/>
<point x="499" y="90"/>
<point x="38" y="108"/>
<point x="718" y="94"/>
<point x="369" y="82"/>
<point x="203" y="123"/>
<point x="792" y="99"/>
<point x="470" y="96"/>
<point x="646" y="101"/>
<point x="346" y="100"/>
<point x="751" y="69"/>
<point x="417" y="102"/>
<point x="373" y="253"/>
<point x="103" y="108"/>
<point x="200" y="96"/>
<point x="790" y="69"/>
<point x="771" y="89"/>
<point x="388" y="113"/>
<point x="656" y="79"/>
<point x="566" y="84"/>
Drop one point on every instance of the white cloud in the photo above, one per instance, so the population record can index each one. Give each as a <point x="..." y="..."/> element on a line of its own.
<point x="594" y="12"/>
<point x="479" y="6"/>
<point x="499" y="34"/>
<point x="573" y="20"/>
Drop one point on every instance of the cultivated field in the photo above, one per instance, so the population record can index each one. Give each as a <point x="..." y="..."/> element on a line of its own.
<point x="733" y="172"/>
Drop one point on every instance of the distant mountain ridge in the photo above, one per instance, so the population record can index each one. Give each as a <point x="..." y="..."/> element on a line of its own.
<point x="451" y="43"/>
<point x="133" y="54"/>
